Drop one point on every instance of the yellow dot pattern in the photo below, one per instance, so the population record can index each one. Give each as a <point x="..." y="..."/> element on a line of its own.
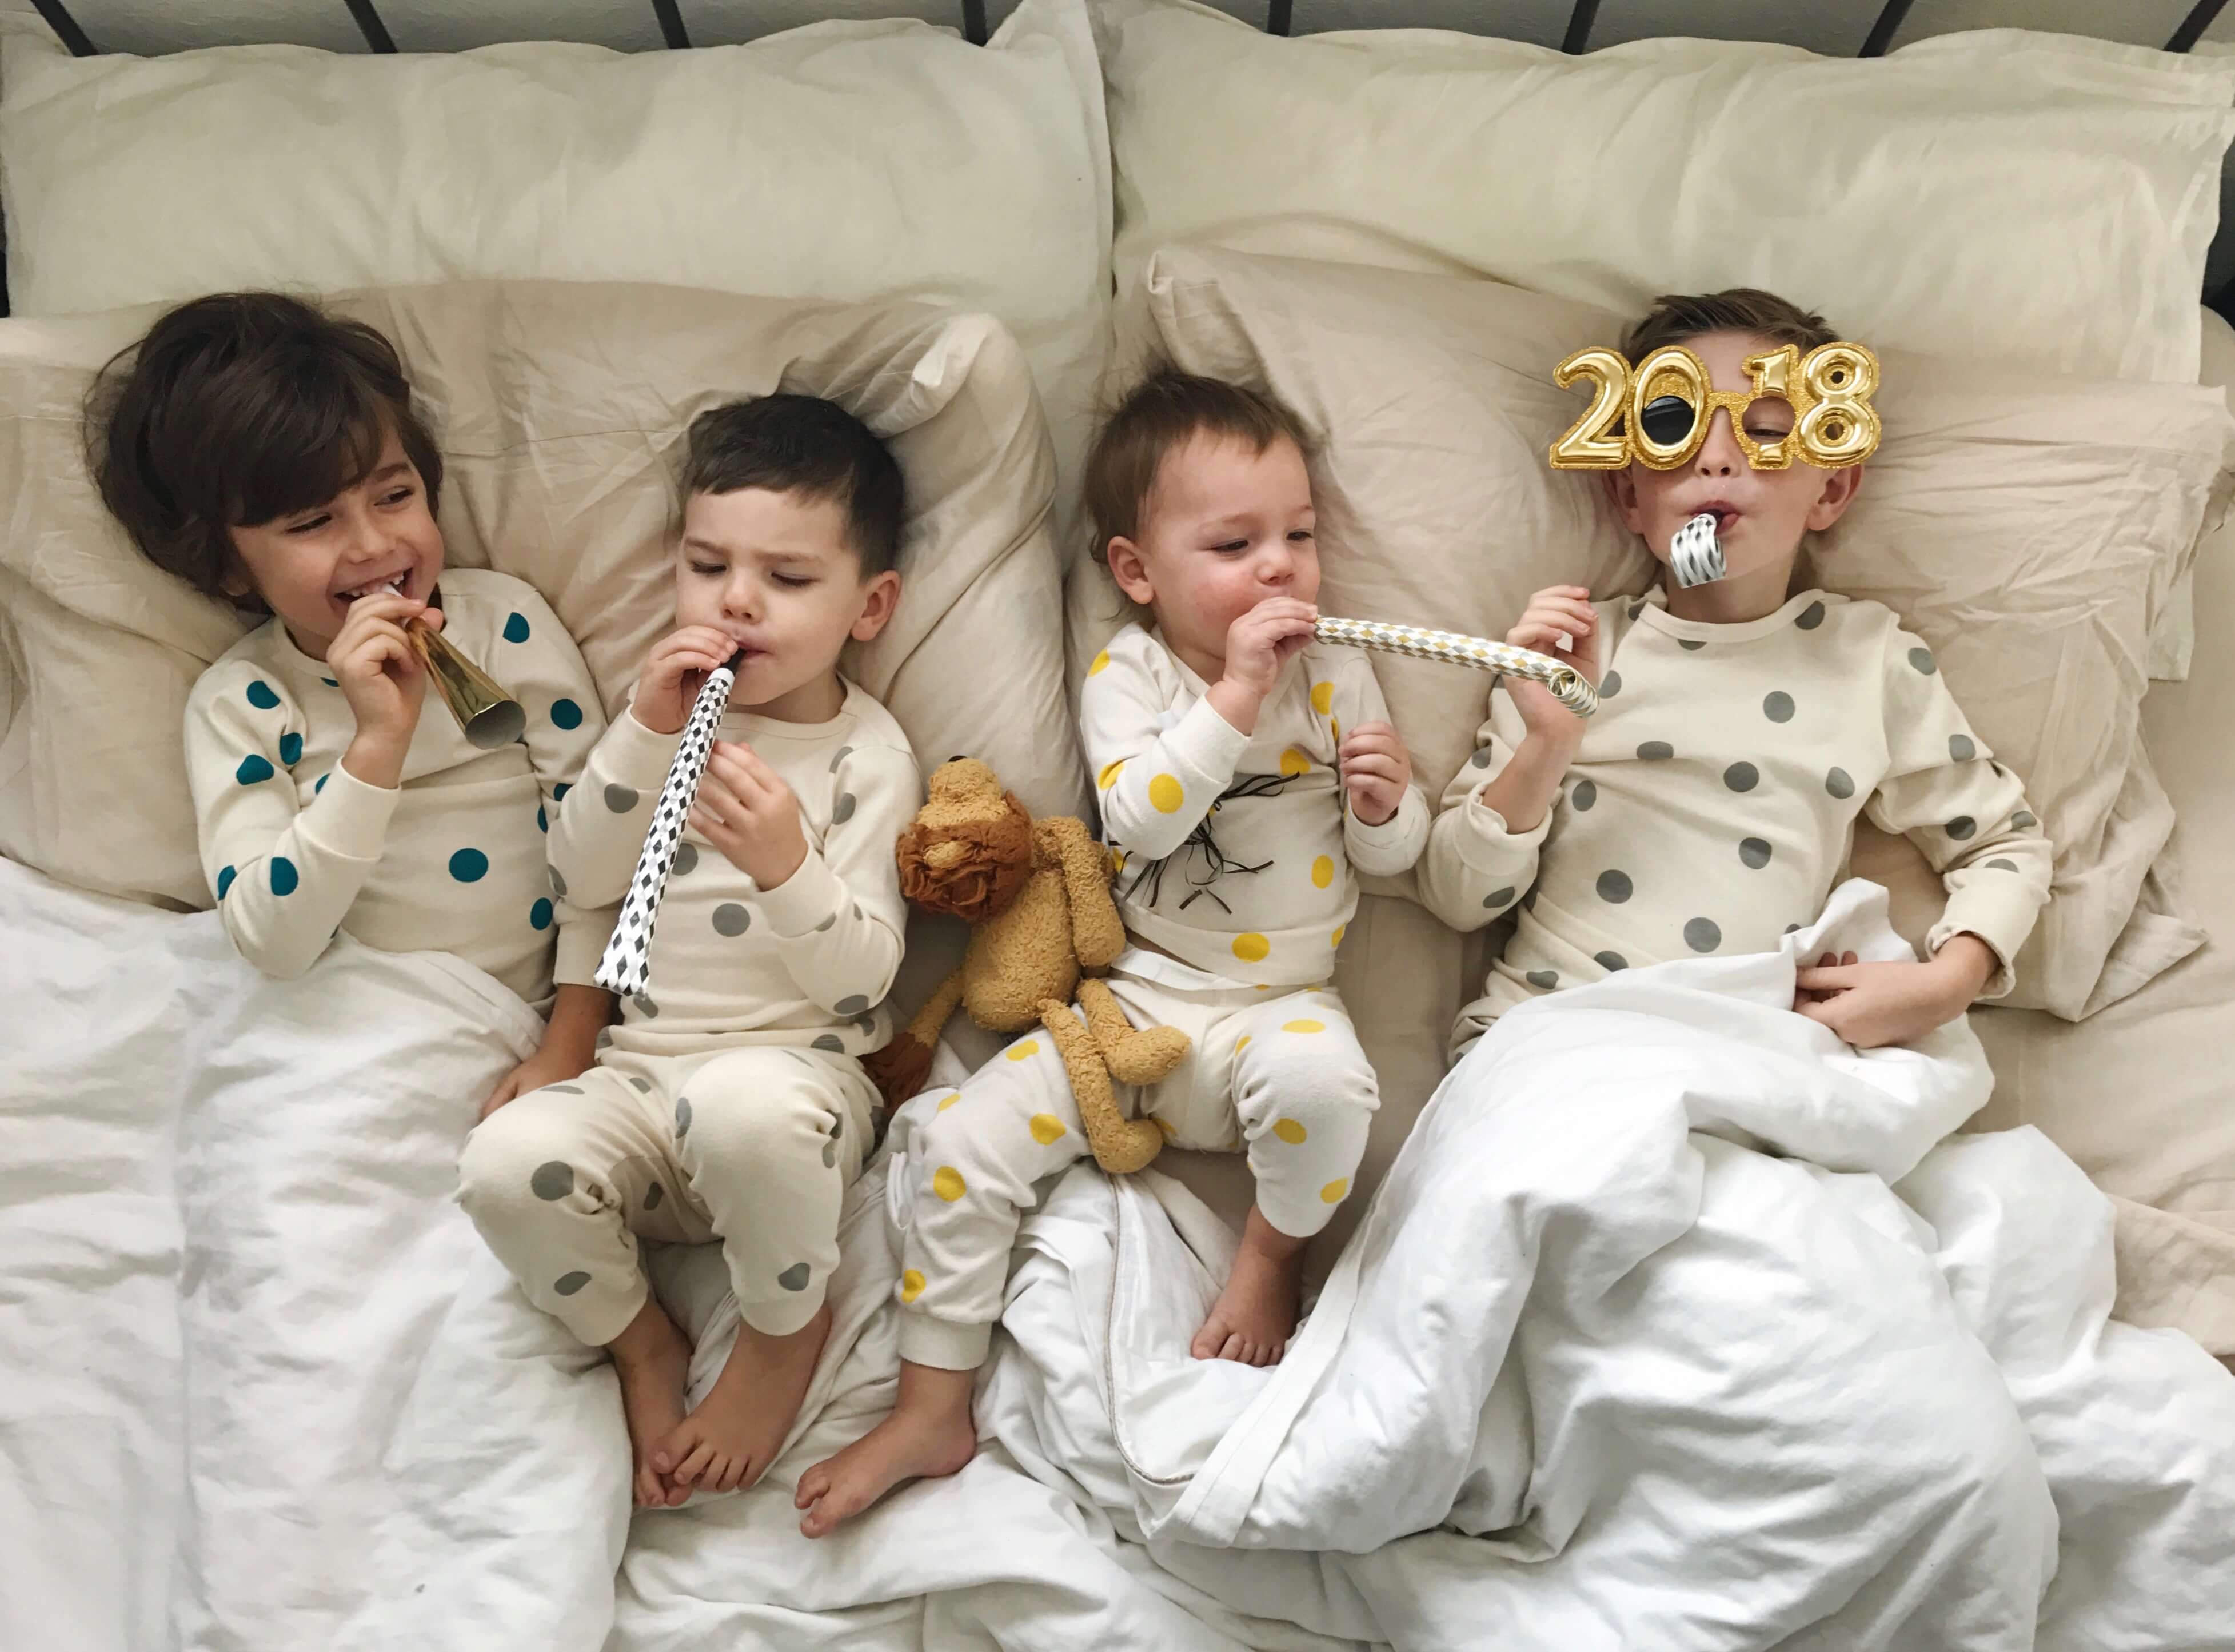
<point x="1025" y="1051"/>
<point x="1241" y="1044"/>
<point x="1294" y="762"/>
<point x="1303" y="1026"/>
<point x="911" y="1285"/>
<point x="1165" y="795"/>
<point x="1108" y="777"/>
<point x="1169" y="1132"/>
<point x="1101" y="663"/>
<point x="1046" y="1127"/>
<point x="1332" y="1192"/>
<point x="1251" y="948"/>
<point x="1289" y="1132"/>
<point x="1322" y="698"/>
<point x="1322" y="871"/>
<point x="1336" y="938"/>
<point x="949" y="1184"/>
<point x="949" y="1102"/>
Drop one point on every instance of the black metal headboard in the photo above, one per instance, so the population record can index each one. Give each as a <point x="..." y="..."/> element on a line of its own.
<point x="1278" y="16"/>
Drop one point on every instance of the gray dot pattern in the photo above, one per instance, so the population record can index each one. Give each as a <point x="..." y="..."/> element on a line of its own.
<point x="852" y="1004"/>
<point x="686" y="861"/>
<point x="1543" y="979"/>
<point x="552" y="1180"/>
<point x="1998" y="864"/>
<point x="1482" y="758"/>
<point x="567" y="1284"/>
<point x="1961" y="828"/>
<point x="843" y="810"/>
<point x="1702" y="934"/>
<point x="1754" y="851"/>
<point x="1610" y="686"/>
<point x="794" y="1277"/>
<point x="829" y="1041"/>
<point x="682" y="1117"/>
<point x="1611" y="961"/>
<point x="1811" y="617"/>
<point x="1961" y="747"/>
<point x="1840" y="783"/>
<point x="1923" y="660"/>
<point x="621" y="799"/>
<point x="1778" y="706"/>
<point x="654" y="1197"/>
<point x="1655" y="751"/>
<point x="731" y="919"/>
<point x="1690" y="645"/>
<point x="1615" y="887"/>
<point x="1742" y="776"/>
<point x="1582" y="795"/>
<point x="1498" y="900"/>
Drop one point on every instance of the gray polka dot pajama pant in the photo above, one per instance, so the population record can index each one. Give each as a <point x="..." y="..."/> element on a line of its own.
<point x="1279" y="1076"/>
<point x="753" y="1146"/>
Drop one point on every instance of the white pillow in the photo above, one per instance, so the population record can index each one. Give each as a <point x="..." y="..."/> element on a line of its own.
<point x="2003" y="193"/>
<point x="855" y="161"/>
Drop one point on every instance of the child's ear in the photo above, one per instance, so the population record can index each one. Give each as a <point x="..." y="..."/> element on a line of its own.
<point x="1621" y="490"/>
<point x="1129" y="569"/>
<point x="1840" y="488"/>
<point x="879" y="598"/>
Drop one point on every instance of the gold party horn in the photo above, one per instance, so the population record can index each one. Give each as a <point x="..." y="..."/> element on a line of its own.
<point x="490" y="716"/>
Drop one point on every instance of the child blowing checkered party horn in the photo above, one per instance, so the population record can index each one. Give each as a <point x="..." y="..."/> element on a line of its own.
<point x="624" y="969"/>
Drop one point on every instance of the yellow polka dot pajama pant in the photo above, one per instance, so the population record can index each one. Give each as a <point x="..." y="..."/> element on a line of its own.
<point x="753" y="1146"/>
<point x="1278" y="1076"/>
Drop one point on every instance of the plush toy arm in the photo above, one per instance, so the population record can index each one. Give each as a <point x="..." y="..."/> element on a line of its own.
<point x="899" y="1070"/>
<point x="1096" y="934"/>
<point x="1121" y="1146"/>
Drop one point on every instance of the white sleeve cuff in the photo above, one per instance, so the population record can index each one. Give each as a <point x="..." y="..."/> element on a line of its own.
<point x="803" y="899"/>
<point x="348" y="818"/>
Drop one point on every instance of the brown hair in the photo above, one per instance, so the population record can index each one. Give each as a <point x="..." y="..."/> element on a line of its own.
<point x="236" y="409"/>
<point x="1678" y="318"/>
<point x="808" y="446"/>
<point x="1160" y="413"/>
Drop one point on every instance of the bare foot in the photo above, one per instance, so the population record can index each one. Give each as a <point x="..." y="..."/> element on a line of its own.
<point x="653" y="1360"/>
<point x="1256" y="1313"/>
<point x="930" y="1433"/>
<point x="730" y="1440"/>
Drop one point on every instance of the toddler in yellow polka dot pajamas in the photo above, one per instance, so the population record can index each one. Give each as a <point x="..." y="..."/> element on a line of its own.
<point x="1245" y="772"/>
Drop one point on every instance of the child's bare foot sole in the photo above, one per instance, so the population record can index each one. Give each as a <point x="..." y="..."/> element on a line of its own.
<point x="1256" y="1313"/>
<point x="653" y="1362"/>
<point x="738" y="1429"/>
<point x="910" y="1444"/>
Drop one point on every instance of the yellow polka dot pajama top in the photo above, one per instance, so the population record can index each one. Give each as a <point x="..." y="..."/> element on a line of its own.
<point x="297" y="850"/>
<point x="1711" y="807"/>
<point x="1235" y="857"/>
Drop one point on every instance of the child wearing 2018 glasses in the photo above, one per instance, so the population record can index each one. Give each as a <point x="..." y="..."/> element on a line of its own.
<point x="1709" y="806"/>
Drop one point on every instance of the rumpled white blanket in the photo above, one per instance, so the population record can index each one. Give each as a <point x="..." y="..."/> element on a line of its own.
<point x="1671" y="1326"/>
<point x="261" y="1387"/>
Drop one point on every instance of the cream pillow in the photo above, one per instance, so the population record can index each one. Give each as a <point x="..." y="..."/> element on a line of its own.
<point x="854" y="161"/>
<point x="561" y="410"/>
<point x="2001" y="193"/>
<point x="2024" y="526"/>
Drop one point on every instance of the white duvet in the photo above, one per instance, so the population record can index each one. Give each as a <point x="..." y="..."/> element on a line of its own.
<point x="1598" y="1370"/>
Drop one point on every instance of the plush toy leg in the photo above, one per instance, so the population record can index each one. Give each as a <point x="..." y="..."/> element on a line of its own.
<point x="1137" y="1055"/>
<point x="1121" y="1146"/>
<point x="899" y="1070"/>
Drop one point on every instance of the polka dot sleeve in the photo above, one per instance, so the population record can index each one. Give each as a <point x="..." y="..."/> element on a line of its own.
<point x="1157" y="769"/>
<point x="284" y="875"/>
<point x="597" y="831"/>
<point x="839" y="920"/>
<point x="1965" y="812"/>
<point x="1474" y="869"/>
<point x="538" y="661"/>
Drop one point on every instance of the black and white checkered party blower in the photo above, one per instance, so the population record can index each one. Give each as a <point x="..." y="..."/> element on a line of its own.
<point x="1695" y="554"/>
<point x="625" y="967"/>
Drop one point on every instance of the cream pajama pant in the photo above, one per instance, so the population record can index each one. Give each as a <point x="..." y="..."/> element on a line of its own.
<point x="752" y="1145"/>
<point x="1279" y="1075"/>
